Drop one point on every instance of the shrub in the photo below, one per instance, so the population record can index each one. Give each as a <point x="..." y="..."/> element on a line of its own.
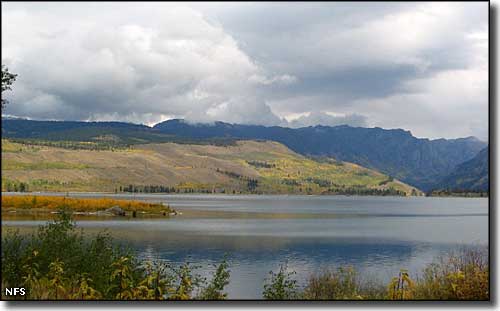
<point x="401" y="287"/>
<point x="57" y="262"/>
<point x="462" y="275"/>
<point x="280" y="286"/>
<point x="337" y="284"/>
<point x="220" y="279"/>
<point x="54" y="203"/>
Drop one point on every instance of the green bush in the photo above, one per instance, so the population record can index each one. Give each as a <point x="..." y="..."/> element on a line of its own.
<point x="57" y="262"/>
<point x="337" y="284"/>
<point x="462" y="275"/>
<point x="220" y="279"/>
<point x="280" y="286"/>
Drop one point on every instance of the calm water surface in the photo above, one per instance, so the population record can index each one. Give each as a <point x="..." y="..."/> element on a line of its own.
<point x="377" y="235"/>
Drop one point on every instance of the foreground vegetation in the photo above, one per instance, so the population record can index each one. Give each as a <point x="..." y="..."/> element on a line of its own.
<point x="58" y="262"/>
<point x="88" y="205"/>
<point x="463" y="275"/>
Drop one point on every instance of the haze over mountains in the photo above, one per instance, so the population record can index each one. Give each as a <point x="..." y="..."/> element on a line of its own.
<point x="423" y="163"/>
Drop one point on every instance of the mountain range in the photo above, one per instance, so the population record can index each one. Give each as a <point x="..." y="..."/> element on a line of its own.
<point x="417" y="161"/>
<point x="424" y="163"/>
<point x="471" y="175"/>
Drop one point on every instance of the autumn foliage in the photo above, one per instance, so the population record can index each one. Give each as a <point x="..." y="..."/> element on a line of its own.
<point x="54" y="203"/>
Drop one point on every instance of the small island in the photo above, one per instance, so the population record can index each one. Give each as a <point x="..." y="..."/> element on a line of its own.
<point x="31" y="204"/>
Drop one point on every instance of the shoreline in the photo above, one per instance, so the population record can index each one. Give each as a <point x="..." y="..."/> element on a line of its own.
<point x="133" y="195"/>
<point x="49" y="206"/>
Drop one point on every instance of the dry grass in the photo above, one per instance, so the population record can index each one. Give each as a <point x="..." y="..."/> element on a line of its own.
<point x="176" y="165"/>
<point x="52" y="203"/>
<point x="459" y="275"/>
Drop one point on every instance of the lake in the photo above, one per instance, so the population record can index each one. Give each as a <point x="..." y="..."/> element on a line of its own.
<point x="377" y="235"/>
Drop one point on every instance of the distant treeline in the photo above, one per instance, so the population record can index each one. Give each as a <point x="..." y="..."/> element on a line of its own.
<point x="35" y="185"/>
<point x="157" y="189"/>
<point x="179" y="189"/>
<point x="153" y="189"/>
<point x="322" y="182"/>
<point x="72" y="145"/>
<point x="260" y="164"/>
<point x="333" y="188"/>
<point x="252" y="183"/>
<point x="368" y="191"/>
<point x="14" y="186"/>
<point x="458" y="193"/>
<point x="168" y="189"/>
<point x="107" y="144"/>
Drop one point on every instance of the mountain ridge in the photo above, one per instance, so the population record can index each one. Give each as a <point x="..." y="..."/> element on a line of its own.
<point x="471" y="175"/>
<point x="396" y="152"/>
<point x="420" y="162"/>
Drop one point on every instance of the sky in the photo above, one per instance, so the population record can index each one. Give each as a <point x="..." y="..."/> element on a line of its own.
<point x="422" y="67"/>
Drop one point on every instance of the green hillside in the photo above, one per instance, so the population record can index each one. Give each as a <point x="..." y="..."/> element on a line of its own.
<point x="242" y="167"/>
<point x="470" y="176"/>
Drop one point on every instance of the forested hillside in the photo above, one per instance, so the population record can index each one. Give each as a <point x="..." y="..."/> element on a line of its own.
<point x="245" y="167"/>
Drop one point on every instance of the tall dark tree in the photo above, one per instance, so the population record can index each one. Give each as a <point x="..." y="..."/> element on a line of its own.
<point x="8" y="79"/>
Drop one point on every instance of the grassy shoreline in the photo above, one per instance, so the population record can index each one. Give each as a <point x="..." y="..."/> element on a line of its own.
<point x="136" y="196"/>
<point x="81" y="206"/>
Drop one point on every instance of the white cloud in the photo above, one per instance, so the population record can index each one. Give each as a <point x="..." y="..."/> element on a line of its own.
<point x="452" y="103"/>
<point x="241" y="110"/>
<point x="283" y="79"/>
<point x="418" y="66"/>
<point x="98" y="68"/>
<point x="327" y="118"/>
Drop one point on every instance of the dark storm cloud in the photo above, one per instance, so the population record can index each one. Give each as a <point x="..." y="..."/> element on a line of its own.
<point x="355" y="83"/>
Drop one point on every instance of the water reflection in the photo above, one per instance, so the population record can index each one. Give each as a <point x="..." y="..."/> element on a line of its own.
<point x="378" y="236"/>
